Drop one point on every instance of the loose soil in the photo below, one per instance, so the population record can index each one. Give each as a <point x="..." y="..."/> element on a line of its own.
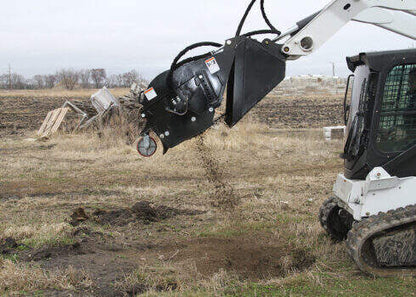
<point x="142" y="211"/>
<point x="225" y="196"/>
<point x="251" y="257"/>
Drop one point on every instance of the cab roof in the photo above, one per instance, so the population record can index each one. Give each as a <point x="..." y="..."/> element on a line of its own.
<point x="376" y="61"/>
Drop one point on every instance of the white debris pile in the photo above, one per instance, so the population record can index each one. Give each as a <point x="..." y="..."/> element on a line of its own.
<point x="103" y="100"/>
<point x="102" y="109"/>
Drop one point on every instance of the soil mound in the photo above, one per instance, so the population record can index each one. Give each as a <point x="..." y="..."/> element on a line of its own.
<point x="78" y="216"/>
<point x="142" y="211"/>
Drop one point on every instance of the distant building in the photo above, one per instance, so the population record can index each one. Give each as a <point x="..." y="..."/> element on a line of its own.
<point x="307" y="84"/>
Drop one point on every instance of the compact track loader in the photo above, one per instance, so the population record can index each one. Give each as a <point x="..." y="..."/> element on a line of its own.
<point x="374" y="202"/>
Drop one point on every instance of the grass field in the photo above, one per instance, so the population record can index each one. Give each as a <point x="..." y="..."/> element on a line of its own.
<point x="232" y="213"/>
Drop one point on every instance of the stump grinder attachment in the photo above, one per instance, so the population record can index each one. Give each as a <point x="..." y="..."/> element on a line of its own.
<point x="181" y="102"/>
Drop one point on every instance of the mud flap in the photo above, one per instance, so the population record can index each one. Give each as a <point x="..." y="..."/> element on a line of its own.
<point x="258" y="68"/>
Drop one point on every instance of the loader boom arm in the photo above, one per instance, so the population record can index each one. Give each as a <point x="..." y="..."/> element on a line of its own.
<point x="398" y="16"/>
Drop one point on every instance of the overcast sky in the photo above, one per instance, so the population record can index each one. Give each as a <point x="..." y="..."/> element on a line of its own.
<point x="42" y="36"/>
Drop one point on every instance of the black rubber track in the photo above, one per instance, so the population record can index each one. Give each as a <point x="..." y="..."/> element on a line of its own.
<point x="335" y="219"/>
<point x="360" y="246"/>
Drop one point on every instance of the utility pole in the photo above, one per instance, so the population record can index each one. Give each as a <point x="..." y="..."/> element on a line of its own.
<point x="10" y="77"/>
<point x="333" y="76"/>
<point x="333" y="69"/>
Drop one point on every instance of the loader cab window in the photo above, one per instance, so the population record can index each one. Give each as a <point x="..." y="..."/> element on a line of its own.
<point x="397" y="125"/>
<point x="363" y="95"/>
<point x="348" y="98"/>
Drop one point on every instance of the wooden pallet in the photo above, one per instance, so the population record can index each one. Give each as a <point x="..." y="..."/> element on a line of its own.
<point x="52" y="122"/>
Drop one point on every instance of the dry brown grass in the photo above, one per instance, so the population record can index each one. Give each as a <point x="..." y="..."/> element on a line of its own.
<point x="38" y="234"/>
<point x="56" y="92"/>
<point x="15" y="278"/>
<point x="279" y="179"/>
<point x="265" y="169"/>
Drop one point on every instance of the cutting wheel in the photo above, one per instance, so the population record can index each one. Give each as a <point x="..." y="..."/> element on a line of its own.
<point x="146" y="146"/>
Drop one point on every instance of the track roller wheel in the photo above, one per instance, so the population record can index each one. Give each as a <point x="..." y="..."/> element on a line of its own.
<point x="335" y="219"/>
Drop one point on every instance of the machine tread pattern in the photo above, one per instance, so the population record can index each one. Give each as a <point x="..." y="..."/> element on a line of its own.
<point x="326" y="214"/>
<point x="360" y="246"/>
<point x="324" y="211"/>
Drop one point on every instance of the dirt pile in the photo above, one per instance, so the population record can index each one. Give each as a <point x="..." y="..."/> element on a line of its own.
<point x="78" y="216"/>
<point x="143" y="212"/>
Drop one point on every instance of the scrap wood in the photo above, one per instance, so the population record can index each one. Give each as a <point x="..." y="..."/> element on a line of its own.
<point x="101" y="105"/>
<point x="52" y="122"/>
<point x="77" y="110"/>
<point x="55" y="118"/>
<point x="96" y="117"/>
<point x="45" y="122"/>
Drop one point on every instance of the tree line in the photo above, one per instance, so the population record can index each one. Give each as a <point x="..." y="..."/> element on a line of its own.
<point x="71" y="79"/>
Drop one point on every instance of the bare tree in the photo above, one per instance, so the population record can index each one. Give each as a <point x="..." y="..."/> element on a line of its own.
<point x="4" y="78"/>
<point x="113" y="81"/>
<point x="130" y="77"/>
<point x="98" y="76"/>
<point x="68" y="78"/>
<point x="18" y="81"/>
<point x="40" y="81"/>
<point x="85" y="78"/>
<point x="120" y="80"/>
<point x="50" y="80"/>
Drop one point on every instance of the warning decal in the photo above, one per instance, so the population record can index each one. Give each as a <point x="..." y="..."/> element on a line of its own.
<point x="150" y="94"/>
<point x="212" y="65"/>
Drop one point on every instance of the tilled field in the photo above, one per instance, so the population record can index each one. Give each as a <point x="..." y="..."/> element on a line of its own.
<point x="22" y="112"/>
<point x="21" y="115"/>
<point x="289" y="112"/>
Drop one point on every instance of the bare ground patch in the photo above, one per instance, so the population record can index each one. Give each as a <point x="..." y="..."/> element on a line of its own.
<point x="250" y="257"/>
